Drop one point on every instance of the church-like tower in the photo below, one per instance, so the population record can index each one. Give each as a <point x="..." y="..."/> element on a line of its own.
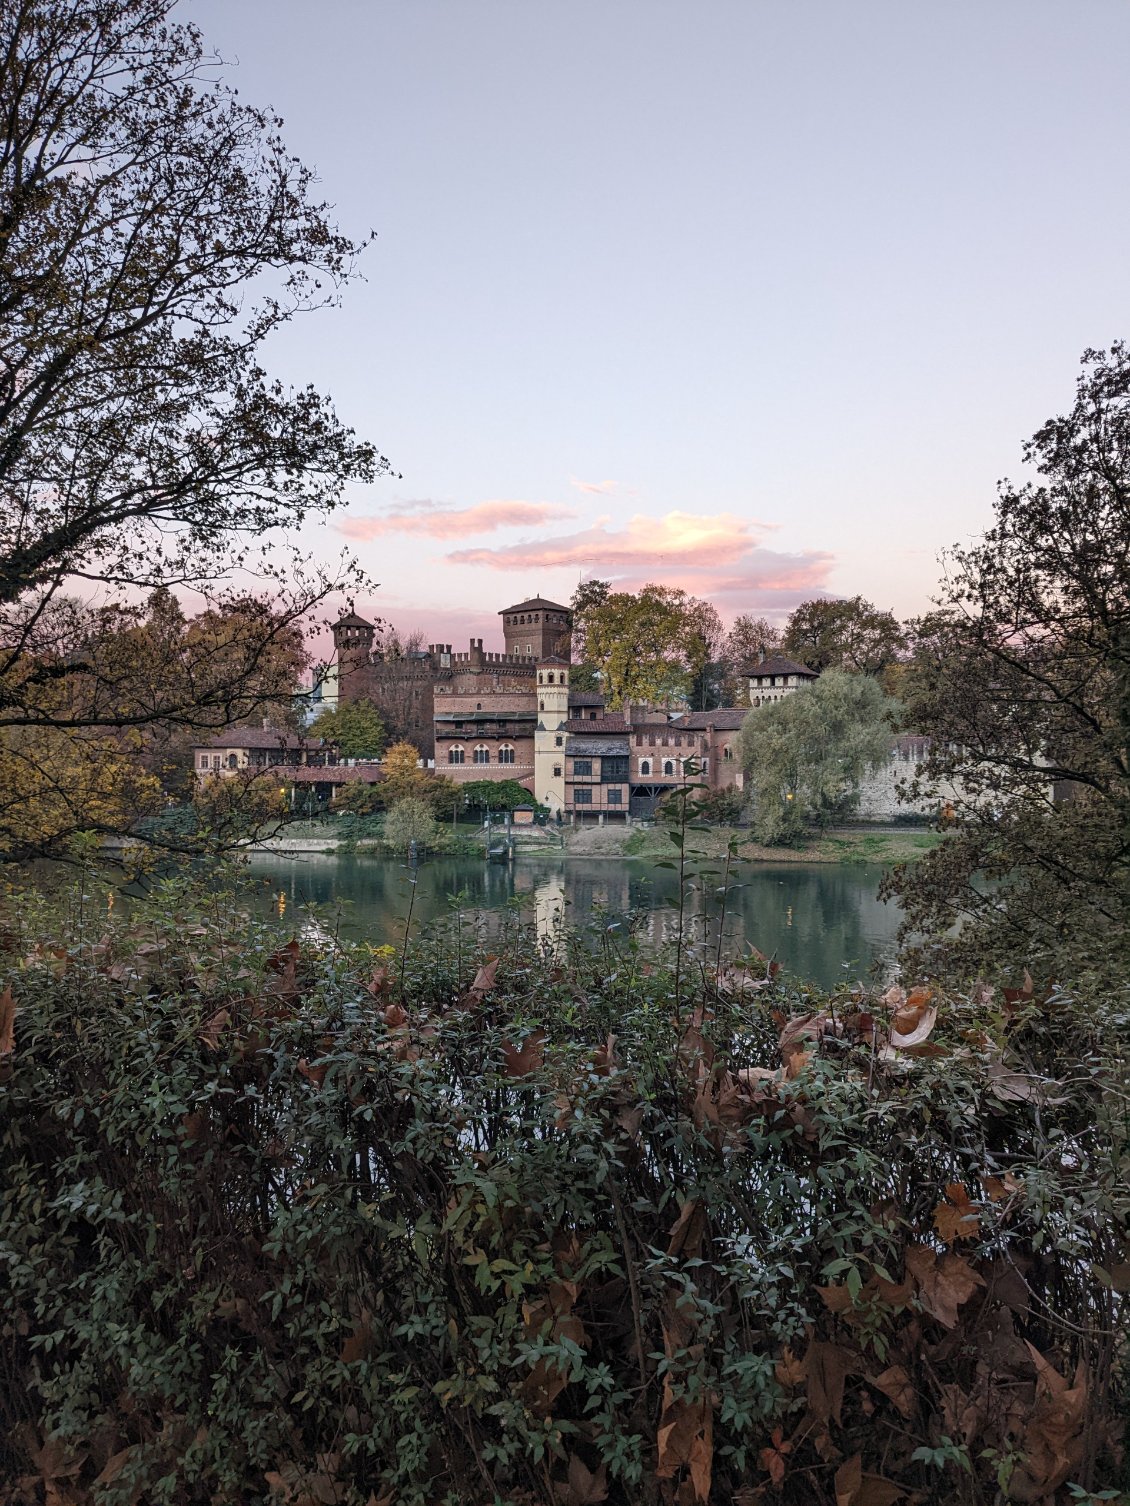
<point x="353" y="642"/>
<point x="549" y="736"/>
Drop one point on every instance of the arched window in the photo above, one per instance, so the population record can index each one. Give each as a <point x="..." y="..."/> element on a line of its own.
<point x="482" y="753"/>
<point x="455" y="754"/>
<point x="668" y="766"/>
<point x="727" y="751"/>
<point x="541" y="705"/>
<point x="506" y="753"/>
<point x="550" y="677"/>
<point x="645" y="765"/>
<point x="233" y="761"/>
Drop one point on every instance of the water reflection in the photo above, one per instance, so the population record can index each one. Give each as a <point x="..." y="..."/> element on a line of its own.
<point x="823" y="922"/>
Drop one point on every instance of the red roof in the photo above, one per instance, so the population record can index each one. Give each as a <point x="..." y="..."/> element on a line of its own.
<point x="779" y="665"/>
<point x="594" y="726"/>
<point x="334" y="774"/>
<point x="722" y="719"/>
<point x="260" y="737"/>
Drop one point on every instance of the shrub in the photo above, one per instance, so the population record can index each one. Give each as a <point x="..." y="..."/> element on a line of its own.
<point x="546" y="1227"/>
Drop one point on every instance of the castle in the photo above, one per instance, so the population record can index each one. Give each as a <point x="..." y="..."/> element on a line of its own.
<point x="513" y="715"/>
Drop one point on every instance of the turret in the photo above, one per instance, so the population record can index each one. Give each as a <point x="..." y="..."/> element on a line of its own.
<point x="353" y="641"/>
<point x="549" y="736"/>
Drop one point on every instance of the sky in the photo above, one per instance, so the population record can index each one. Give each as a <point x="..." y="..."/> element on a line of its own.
<point x="755" y="297"/>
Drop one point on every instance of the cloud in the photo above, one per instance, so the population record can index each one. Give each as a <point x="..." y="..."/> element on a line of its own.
<point x="438" y="522"/>
<point x="721" y="556"/>
<point x="601" y="488"/>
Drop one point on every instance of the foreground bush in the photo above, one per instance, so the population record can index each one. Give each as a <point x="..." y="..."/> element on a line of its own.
<point x="559" y="1226"/>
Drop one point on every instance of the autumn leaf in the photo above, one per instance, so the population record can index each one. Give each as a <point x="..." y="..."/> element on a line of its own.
<point x="484" y="978"/>
<point x="996" y="1189"/>
<point x="957" y="1217"/>
<point x="316" y="1075"/>
<point x="943" y="1284"/>
<point x="774" y="1456"/>
<point x="520" y="1061"/>
<point x="7" y="1022"/>
<point x="584" y="1487"/>
<point x="911" y="1028"/>
<point x="849" y="1478"/>
<point x="213" y="1027"/>
<point x="688" y="1231"/>
<point x="826" y="1367"/>
<point x="897" y="1386"/>
<point x="789" y="1370"/>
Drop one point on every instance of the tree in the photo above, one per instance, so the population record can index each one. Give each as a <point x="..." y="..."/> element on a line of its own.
<point x="805" y="755"/>
<point x="356" y="727"/>
<point x="410" y="821"/>
<point x="651" y="645"/>
<point x="495" y="794"/>
<point x="154" y="232"/>
<point x="1021" y="680"/>
<point x="748" y="637"/>
<point x="852" y="635"/>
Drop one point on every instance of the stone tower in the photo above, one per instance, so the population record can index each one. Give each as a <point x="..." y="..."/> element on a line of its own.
<point x="549" y="736"/>
<point x="353" y="642"/>
<point x="537" y="629"/>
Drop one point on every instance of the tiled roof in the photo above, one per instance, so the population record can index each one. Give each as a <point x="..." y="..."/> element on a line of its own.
<point x="351" y="619"/>
<point x="585" y="698"/>
<point x="554" y="659"/>
<point x="596" y="726"/>
<point x="260" y="737"/>
<point x="779" y="665"/>
<point x="534" y="603"/>
<point x="337" y="774"/>
<point x="722" y="719"/>
<point x="596" y="747"/>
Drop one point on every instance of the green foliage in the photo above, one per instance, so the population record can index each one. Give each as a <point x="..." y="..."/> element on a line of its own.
<point x="356" y="727"/>
<point x="853" y="635"/>
<point x="495" y="794"/>
<point x="804" y="756"/>
<point x="455" y="1229"/>
<point x="648" y="646"/>
<point x="409" y="821"/>
<point x="1022" y="682"/>
<point x="360" y="799"/>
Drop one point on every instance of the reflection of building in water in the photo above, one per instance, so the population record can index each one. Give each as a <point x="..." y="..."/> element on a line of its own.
<point x="549" y="906"/>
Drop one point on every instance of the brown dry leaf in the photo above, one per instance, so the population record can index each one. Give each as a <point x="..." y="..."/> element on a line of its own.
<point x="213" y="1027"/>
<point x="797" y="1037"/>
<point x="688" y="1231"/>
<point x="837" y="1299"/>
<point x="895" y="997"/>
<point x="774" y="1457"/>
<point x="520" y="1061"/>
<point x="957" y="1217"/>
<point x="911" y="1028"/>
<point x="380" y="981"/>
<point x="394" y="1016"/>
<point x="826" y="1367"/>
<point x="484" y="978"/>
<point x="7" y="1022"/>
<point x="604" y="1058"/>
<point x="897" y="1386"/>
<point x="998" y="1188"/>
<point x="356" y="1346"/>
<point x="789" y="1370"/>
<point x="584" y="1487"/>
<point x="316" y="1075"/>
<point x="874" y="1490"/>
<point x="943" y="1285"/>
<point x="849" y="1478"/>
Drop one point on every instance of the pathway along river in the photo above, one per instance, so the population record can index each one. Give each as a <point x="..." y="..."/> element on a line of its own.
<point x="823" y="922"/>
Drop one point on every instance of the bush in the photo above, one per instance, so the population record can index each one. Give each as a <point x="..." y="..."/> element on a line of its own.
<point x="409" y="821"/>
<point x="304" y="1223"/>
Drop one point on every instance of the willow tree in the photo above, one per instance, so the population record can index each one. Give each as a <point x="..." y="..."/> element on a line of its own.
<point x="154" y="232"/>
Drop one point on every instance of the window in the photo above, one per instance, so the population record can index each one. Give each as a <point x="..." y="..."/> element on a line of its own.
<point x="482" y="753"/>
<point x="592" y="716"/>
<point x="506" y="753"/>
<point x="455" y="755"/>
<point x="668" y="766"/>
<point x="678" y="741"/>
<point x="613" y="768"/>
<point x="639" y="739"/>
<point x="557" y="771"/>
<point x="614" y="797"/>
<point x="233" y="761"/>
<point x="203" y="760"/>
<point x="541" y="705"/>
<point x="529" y="649"/>
<point x="558" y="742"/>
<point x="582" y="797"/>
<point x="215" y="760"/>
<point x="645" y="765"/>
<point x="727" y="751"/>
<point x="582" y="768"/>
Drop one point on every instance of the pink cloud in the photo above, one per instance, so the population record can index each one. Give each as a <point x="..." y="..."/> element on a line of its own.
<point x="719" y="556"/>
<point x="600" y="488"/>
<point x="437" y="522"/>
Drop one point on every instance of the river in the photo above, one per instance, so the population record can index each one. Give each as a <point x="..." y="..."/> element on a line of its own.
<point x="824" y="922"/>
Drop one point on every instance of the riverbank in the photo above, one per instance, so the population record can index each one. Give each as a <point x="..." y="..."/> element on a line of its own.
<point x="885" y="845"/>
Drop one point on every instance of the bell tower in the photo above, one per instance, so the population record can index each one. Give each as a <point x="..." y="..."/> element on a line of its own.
<point x="353" y="643"/>
<point x="549" y="736"/>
